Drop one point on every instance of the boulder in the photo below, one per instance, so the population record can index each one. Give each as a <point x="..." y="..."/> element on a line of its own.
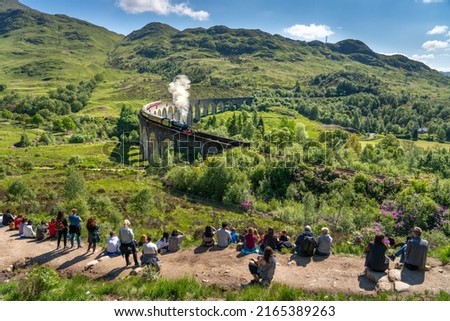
<point x="90" y="264"/>
<point x="137" y="271"/>
<point x="374" y="276"/>
<point x="395" y="275"/>
<point x="401" y="286"/>
<point x="384" y="286"/>
<point x="104" y="258"/>
<point x="22" y="263"/>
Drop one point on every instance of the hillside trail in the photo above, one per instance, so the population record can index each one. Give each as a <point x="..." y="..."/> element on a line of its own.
<point x="225" y="268"/>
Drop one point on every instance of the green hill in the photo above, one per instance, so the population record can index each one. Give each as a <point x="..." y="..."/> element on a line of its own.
<point x="241" y="60"/>
<point x="38" y="49"/>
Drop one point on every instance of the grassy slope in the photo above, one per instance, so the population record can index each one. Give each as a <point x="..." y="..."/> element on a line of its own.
<point x="39" y="50"/>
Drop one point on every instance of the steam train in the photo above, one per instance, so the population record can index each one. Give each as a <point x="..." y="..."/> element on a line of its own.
<point x="149" y="112"/>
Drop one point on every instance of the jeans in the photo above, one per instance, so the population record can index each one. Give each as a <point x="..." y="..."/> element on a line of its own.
<point x="402" y="253"/>
<point x="61" y="234"/>
<point x="72" y="236"/>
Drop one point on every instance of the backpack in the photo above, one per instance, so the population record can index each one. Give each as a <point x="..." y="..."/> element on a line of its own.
<point x="59" y="226"/>
<point x="308" y="245"/>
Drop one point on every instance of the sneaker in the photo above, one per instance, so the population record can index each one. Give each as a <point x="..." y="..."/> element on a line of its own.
<point x="391" y="257"/>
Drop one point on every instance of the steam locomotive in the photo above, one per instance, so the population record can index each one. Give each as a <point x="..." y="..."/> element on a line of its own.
<point x="149" y="112"/>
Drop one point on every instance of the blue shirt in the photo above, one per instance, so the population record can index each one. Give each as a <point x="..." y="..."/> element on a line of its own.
<point x="74" y="220"/>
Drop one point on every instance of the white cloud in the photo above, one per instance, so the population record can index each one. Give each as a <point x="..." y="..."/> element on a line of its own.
<point x="431" y="1"/>
<point x="161" y="7"/>
<point x="437" y="30"/>
<point x="310" y="32"/>
<point x="435" y="45"/>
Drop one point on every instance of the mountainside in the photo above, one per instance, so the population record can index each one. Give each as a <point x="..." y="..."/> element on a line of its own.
<point x="40" y="47"/>
<point x="240" y="59"/>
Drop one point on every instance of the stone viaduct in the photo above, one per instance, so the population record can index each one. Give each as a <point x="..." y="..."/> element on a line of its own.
<point x="156" y="139"/>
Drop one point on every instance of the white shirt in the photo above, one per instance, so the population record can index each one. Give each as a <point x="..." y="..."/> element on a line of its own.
<point x="149" y="248"/>
<point x="162" y="243"/>
<point x="126" y="235"/>
<point x="112" y="244"/>
<point x="28" y="231"/>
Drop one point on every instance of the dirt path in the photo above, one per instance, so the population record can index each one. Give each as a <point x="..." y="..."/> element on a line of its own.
<point x="225" y="268"/>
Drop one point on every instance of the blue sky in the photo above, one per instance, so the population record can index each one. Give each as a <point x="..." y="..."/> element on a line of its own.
<point x="419" y="29"/>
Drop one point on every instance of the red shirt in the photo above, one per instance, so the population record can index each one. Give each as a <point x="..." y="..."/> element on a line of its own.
<point x="17" y="221"/>
<point x="52" y="229"/>
<point x="250" y="240"/>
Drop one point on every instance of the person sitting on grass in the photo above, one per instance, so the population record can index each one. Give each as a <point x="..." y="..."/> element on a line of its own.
<point x="263" y="268"/>
<point x="375" y="254"/>
<point x="52" y="228"/>
<point x="42" y="231"/>
<point x="28" y="231"/>
<point x="112" y="245"/>
<point x="8" y="218"/>
<point x="150" y="254"/>
<point x="269" y="239"/>
<point x="175" y="241"/>
<point x="208" y="236"/>
<point x="250" y="241"/>
<point x="163" y="243"/>
<point x="324" y="243"/>
<point x="416" y="251"/>
<point x="234" y="235"/>
<point x="223" y="236"/>
<point x="401" y="251"/>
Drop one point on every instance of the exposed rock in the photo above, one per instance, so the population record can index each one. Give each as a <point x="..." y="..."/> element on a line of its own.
<point x="374" y="276"/>
<point x="401" y="286"/>
<point x="395" y="275"/>
<point x="205" y="281"/>
<point x="384" y="286"/>
<point x="384" y="279"/>
<point x="22" y="263"/>
<point x="136" y="271"/>
<point x="90" y="264"/>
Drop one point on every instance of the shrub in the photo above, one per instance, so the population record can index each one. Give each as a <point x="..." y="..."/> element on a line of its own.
<point x="25" y="141"/>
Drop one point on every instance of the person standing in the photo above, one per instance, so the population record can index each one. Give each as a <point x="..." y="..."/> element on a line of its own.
<point x="416" y="251"/>
<point x="61" y="228"/>
<point x="128" y="243"/>
<point x="93" y="234"/>
<point x="75" y="227"/>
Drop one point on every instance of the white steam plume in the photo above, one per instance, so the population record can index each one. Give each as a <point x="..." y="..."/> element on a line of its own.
<point x="179" y="88"/>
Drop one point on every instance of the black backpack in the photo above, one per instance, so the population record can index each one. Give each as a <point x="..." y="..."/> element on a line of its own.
<point x="308" y="245"/>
